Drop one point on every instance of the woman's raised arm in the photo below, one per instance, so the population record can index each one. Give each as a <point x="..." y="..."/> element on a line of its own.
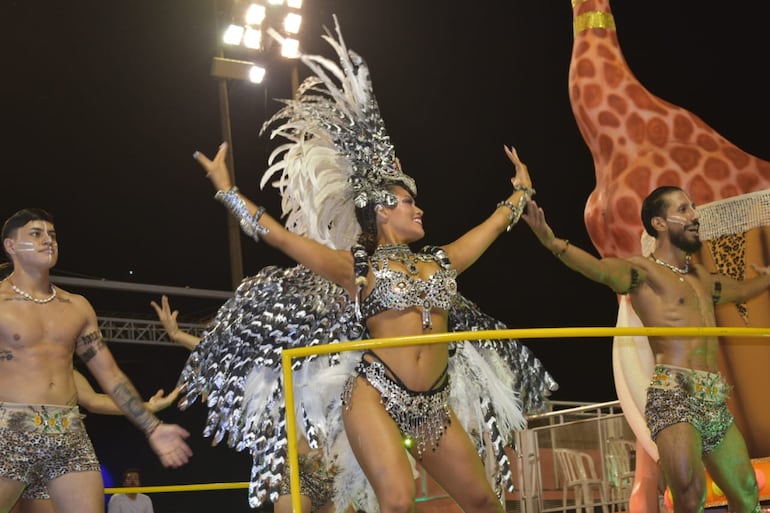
<point x="334" y="265"/>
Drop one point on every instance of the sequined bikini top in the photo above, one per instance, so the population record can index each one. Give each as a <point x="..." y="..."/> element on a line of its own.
<point x="399" y="290"/>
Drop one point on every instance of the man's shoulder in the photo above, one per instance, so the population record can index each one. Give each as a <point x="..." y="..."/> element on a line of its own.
<point x="78" y="301"/>
<point x="638" y="259"/>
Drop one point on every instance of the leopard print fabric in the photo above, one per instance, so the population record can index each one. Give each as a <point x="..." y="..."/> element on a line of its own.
<point x="315" y="480"/>
<point x="729" y="254"/>
<point x="42" y="442"/>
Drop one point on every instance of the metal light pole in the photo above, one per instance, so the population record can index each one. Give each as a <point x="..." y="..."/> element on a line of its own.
<point x="251" y="37"/>
<point x="233" y="229"/>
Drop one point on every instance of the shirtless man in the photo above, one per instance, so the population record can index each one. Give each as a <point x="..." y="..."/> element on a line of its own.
<point x="686" y="406"/>
<point x="42" y="438"/>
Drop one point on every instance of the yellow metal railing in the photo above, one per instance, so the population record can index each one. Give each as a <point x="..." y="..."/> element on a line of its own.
<point x="442" y="338"/>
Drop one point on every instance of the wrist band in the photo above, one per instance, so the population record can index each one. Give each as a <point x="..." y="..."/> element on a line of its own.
<point x="235" y="204"/>
<point x="558" y="254"/>
<point x="150" y="431"/>
<point x="517" y="210"/>
<point x="528" y="191"/>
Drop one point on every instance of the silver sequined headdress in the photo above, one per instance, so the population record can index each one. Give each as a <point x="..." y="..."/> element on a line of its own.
<point x="339" y="156"/>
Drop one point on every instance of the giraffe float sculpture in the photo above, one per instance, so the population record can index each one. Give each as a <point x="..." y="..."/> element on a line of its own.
<point x="638" y="142"/>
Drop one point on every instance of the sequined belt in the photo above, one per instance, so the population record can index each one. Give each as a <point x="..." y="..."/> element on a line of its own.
<point x="422" y="417"/>
<point x="40" y="418"/>
<point x="708" y="386"/>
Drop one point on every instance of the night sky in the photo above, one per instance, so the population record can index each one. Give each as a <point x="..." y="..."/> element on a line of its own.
<point x="103" y="104"/>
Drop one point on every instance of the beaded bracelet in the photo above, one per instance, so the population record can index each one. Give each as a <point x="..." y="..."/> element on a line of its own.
<point x="235" y="204"/>
<point x="528" y="191"/>
<point x="513" y="216"/>
<point x="517" y="210"/>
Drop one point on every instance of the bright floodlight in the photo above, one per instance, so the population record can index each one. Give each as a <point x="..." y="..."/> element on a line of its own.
<point x="275" y="2"/>
<point x="255" y="14"/>
<point x="294" y="4"/>
<point x="290" y="48"/>
<point x="233" y="35"/>
<point x="231" y="68"/>
<point x="292" y="23"/>
<point x="252" y="38"/>
<point x="256" y="74"/>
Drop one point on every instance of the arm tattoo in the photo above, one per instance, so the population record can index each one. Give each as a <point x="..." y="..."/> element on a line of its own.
<point x="128" y="399"/>
<point x="6" y="355"/>
<point x="635" y="281"/>
<point x="89" y="344"/>
<point x="716" y="294"/>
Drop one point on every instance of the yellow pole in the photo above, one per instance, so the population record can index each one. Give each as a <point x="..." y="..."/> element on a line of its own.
<point x="520" y="333"/>
<point x="177" y="488"/>
<point x="291" y="432"/>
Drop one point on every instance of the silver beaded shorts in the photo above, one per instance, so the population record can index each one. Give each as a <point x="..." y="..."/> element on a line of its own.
<point x="42" y="442"/>
<point x="422" y="417"/>
<point x="315" y="480"/>
<point x="698" y="398"/>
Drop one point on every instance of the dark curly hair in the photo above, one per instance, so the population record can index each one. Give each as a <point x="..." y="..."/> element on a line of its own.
<point x="654" y="205"/>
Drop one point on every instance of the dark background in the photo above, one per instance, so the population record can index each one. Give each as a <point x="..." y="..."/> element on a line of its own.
<point x="103" y="104"/>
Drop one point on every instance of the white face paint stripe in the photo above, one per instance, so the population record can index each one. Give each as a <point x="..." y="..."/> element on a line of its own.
<point x="677" y="220"/>
<point x="24" y="245"/>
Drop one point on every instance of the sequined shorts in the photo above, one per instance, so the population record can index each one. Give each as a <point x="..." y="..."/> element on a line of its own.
<point x="698" y="398"/>
<point x="422" y="417"/>
<point x="315" y="480"/>
<point x="42" y="442"/>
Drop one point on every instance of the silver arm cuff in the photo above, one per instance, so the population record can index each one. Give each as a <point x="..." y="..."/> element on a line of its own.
<point x="235" y="204"/>
<point x="518" y="209"/>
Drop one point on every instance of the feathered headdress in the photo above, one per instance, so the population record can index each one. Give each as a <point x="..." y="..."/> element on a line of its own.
<point x="339" y="156"/>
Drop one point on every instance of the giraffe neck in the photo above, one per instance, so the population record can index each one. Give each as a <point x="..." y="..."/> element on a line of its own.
<point x="639" y="141"/>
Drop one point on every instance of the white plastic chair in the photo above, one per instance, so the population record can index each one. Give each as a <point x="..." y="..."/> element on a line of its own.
<point x="619" y="472"/>
<point x="578" y="475"/>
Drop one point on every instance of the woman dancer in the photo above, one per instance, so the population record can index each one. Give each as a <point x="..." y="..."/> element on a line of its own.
<point x="396" y="397"/>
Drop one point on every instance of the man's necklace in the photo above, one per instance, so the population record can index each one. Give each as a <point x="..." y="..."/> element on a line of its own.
<point x="681" y="271"/>
<point x="29" y="296"/>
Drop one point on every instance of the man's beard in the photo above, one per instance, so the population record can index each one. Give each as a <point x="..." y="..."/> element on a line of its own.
<point x="680" y="241"/>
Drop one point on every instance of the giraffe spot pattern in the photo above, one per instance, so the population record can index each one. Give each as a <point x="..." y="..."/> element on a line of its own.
<point x="686" y="157"/>
<point x="716" y="169"/>
<point x="683" y="128"/>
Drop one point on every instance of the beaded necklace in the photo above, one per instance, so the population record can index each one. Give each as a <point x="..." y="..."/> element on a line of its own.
<point x="402" y="254"/>
<point x="681" y="271"/>
<point x="27" y="295"/>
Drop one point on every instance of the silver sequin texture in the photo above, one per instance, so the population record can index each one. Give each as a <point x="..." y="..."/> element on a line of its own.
<point x="422" y="417"/>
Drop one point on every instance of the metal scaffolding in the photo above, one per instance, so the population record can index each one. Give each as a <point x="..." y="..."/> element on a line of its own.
<point x="142" y="331"/>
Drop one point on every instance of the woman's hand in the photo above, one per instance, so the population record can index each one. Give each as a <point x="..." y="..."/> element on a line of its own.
<point x="216" y="169"/>
<point x="167" y="317"/>
<point x="535" y="217"/>
<point x="160" y="402"/>
<point x="521" y="178"/>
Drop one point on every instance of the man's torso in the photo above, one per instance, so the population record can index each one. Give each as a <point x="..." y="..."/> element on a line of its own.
<point x="37" y="343"/>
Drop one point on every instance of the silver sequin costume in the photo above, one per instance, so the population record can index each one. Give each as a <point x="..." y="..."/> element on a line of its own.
<point x="42" y="442"/>
<point x="399" y="290"/>
<point x="237" y="368"/>
<point x="699" y="398"/>
<point x="337" y="157"/>
<point x="421" y="416"/>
